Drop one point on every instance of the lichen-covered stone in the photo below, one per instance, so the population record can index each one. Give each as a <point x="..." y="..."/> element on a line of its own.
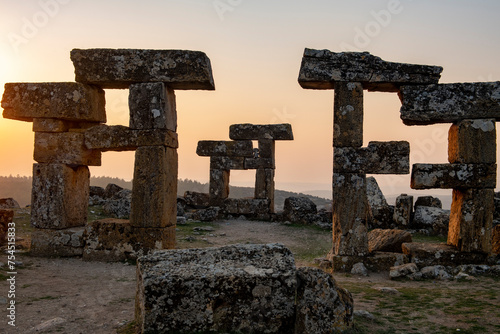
<point x="348" y="115"/>
<point x="6" y="218"/>
<point x="264" y="185"/>
<point x="58" y="125"/>
<point x="65" y="148"/>
<point x="374" y="262"/>
<point x="61" y="100"/>
<point x="452" y="176"/>
<point x="403" y="211"/>
<point x="227" y="163"/>
<point x="428" y="201"/>
<point x="473" y="141"/>
<point x="377" y="158"/>
<point x="118" y="68"/>
<point x="297" y="209"/>
<point x="321" y="69"/>
<point x="267" y="148"/>
<point x="246" y="206"/>
<point x="260" y="131"/>
<point x="59" y="197"/>
<point x="379" y="212"/>
<point x="154" y="188"/>
<point x="435" y="220"/>
<point x="330" y="313"/>
<point x="197" y="200"/>
<point x="384" y="240"/>
<point x="251" y="163"/>
<point x="449" y="103"/>
<point x="471" y="220"/>
<point x="238" y="288"/>
<point x="221" y="148"/>
<point x="114" y="240"/>
<point x="430" y="254"/>
<point x="403" y="270"/>
<point x="218" y="185"/>
<point x="57" y="243"/>
<point x="121" y="138"/>
<point x="152" y="106"/>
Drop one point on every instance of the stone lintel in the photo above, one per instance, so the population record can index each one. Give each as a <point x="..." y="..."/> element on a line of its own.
<point x="449" y="103"/>
<point x="118" y="68"/>
<point x="69" y="101"/>
<point x="260" y="131"/>
<point x="228" y="148"/>
<point x="377" y="158"/>
<point x="321" y="69"/>
<point x="121" y="138"/>
<point x="453" y="176"/>
<point x="64" y="148"/>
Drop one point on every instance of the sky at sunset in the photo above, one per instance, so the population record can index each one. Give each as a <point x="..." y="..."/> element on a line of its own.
<point x="255" y="48"/>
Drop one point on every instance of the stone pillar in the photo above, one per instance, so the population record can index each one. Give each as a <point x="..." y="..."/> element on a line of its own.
<point x="403" y="211"/>
<point x="219" y="186"/>
<point x="264" y="186"/>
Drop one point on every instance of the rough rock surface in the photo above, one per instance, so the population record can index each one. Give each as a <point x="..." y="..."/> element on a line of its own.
<point x="57" y="243"/>
<point x="452" y="176"/>
<point x="298" y="209"/>
<point x="119" y="205"/>
<point x="359" y="269"/>
<point x="118" y="68"/>
<point x="429" y="254"/>
<point x="428" y="201"/>
<point x="197" y="200"/>
<point x="65" y="148"/>
<point x="380" y="213"/>
<point x="403" y="211"/>
<point x="382" y="240"/>
<point x="8" y="203"/>
<point x="449" y="103"/>
<point x="240" y="148"/>
<point x="6" y="217"/>
<point x="348" y="115"/>
<point x="435" y="220"/>
<point x="495" y="239"/>
<point x="208" y="214"/>
<point x="62" y="100"/>
<point x="473" y="141"/>
<point x="320" y="69"/>
<point x="403" y="270"/>
<point x="258" y="131"/>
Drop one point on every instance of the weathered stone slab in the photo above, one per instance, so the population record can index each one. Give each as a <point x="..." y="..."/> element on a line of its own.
<point x="384" y="240"/>
<point x="114" y="240"/>
<point x="64" y="148"/>
<point x="350" y="208"/>
<point x="121" y="138"/>
<point x="154" y="188"/>
<point x="403" y="211"/>
<point x="473" y="141"/>
<point x="218" y="185"/>
<point x="238" y="288"/>
<point x="118" y="68"/>
<point x="321" y="69"/>
<point x="152" y="106"/>
<point x="322" y="306"/>
<point x="59" y="197"/>
<point x="197" y="200"/>
<point x="298" y="209"/>
<point x="258" y="131"/>
<point x="251" y="163"/>
<point x="246" y="206"/>
<point x="61" y="100"/>
<point x="6" y="217"/>
<point x="348" y="115"/>
<point x="425" y="254"/>
<point x="471" y="220"/>
<point x="452" y="176"/>
<point x="378" y="158"/>
<point x="449" y="103"/>
<point x="57" y="243"/>
<point x="227" y="163"/>
<point x="219" y="148"/>
<point x="429" y="201"/>
<point x="58" y="125"/>
<point x="435" y="220"/>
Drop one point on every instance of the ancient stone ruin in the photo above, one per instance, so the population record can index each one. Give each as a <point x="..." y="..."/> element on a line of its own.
<point x="70" y="134"/>
<point x="239" y="154"/>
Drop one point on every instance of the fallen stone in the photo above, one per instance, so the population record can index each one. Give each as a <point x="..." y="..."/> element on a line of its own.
<point x="6" y="217"/>
<point x="403" y="211"/>
<point x="180" y="208"/>
<point x="9" y="203"/>
<point x="208" y="214"/>
<point x="96" y="191"/>
<point x="403" y="270"/>
<point x="119" y="206"/>
<point x="378" y="158"/>
<point x="57" y="243"/>
<point x="389" y="291"/>
<point x="321" y="69"/>
<point x="431" y="254"/>
<point x="449" y="103"/>
<point x="111" y="190"/>
<point x="429" y="201"/>
<point x="238" y="288"/>
<point x="475" y="269"/>
<point x="119" y="68"/>
<point x="120" y="138"/>
<point x="49" y="324"/>
<point x="241" y="148"/>
<point x="60" y="100"/>
<point x="382" y="240"/>
<point x="473" y="141"/>
<point x="258" y="131"/>
<point x="152" y="106"/>
<point x="359" y="269"/>
<point x="374" y="262"/>
<point x="197" y="200"/>
<point x="380" y="214"/>
<point x="363" y="314"/>
<point x="348" y="115"/>
<point x="435" y="220"/>
<point x="438" y="272"/>
<point x="453" y="176"/>
<point x="297" y="209"/>
<point x="246" y="206"/>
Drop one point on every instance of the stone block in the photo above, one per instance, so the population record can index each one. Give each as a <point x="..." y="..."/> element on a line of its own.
<point x="348" y="115"/>
<point x="434" y="220"/>
<point x="452" y="176"/>
<point x="450" y="103"/>
<point x="267" y="148"/>
<point x="264" y="185"/>
<point x="322" y="305"/>
<point x="237" y="288"/>
<point x="256" y="163"/>
<point x="6" y="217"/>
<point x="219" y="185"/>
<point x="121" y="138"/>
<point x="64" y="148"/>
<point x="471" y="220"/>
<point x="385" y="240"/>
<point x="118" y="68"/>
<point x="260" y="131"/>
<point x="495" y="239"/>
<point x="60" y="100"/>
<point x="425" y="254"/>
<point x="403" y="211"/>
<point x="114" y="240"/>
<point x="57" y="243"/>
<point x="246" y="206"/>
<point x="350" y="207"/>
<point x="378" y="158"/>
<point x="380" y="213"/>
<point x="154" y="187"/>
<point x="221" y="148"/>
<point x="197" y="200"/>
<point x="429" y="201"/>
<point x="58" y="125"/>
<point x="227" y="163"/>
<point x="473" y="142"/>
<point x="59" y="197"/>
<point x="374" y="262"/>
<point x="322" y="69"/>
<point x="152" y="106"/>
<point x="297" y="209"/>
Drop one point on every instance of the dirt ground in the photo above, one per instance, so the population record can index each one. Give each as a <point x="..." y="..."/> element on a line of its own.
<point x="73" y="296"/>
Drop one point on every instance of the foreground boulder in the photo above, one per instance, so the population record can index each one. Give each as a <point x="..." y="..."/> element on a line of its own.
<point x="237" y="289"/>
